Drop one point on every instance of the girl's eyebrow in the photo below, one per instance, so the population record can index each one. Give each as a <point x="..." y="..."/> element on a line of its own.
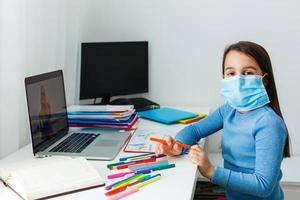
<point x="250" y="67"/>
<point x="226" y="68"/>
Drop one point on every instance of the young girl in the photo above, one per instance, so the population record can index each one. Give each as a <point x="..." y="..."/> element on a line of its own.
<point x="255" y="138"/>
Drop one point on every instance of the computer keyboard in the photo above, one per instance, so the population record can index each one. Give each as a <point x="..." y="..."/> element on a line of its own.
<point x="75" y="143"/>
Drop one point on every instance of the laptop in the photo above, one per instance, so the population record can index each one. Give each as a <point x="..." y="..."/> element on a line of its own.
<point x="50" y="132"/>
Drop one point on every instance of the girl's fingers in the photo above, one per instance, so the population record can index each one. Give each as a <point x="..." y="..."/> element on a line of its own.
<point x="169" y="140"/>
<point x="193" y="151"/>
<point x="177" y="149"/>
<point x="170" y="149"/>
<point x="161" y="149"/>
<point x="157" y="150"/>
<point x="196" y="148"/>
<point x="194" y="159"/>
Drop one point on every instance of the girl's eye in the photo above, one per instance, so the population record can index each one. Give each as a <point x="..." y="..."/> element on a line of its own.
<point x="230" y="74"/>
<point x="249" y="73"/>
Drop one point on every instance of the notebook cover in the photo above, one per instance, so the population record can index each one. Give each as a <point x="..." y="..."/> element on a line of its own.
<point x="103" y="126"/>
<point x="191" y="120"/>
<point x="166" y="115"/>
<point x="103" y="122"/>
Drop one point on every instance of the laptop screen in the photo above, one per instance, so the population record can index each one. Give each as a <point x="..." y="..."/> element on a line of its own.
<point x="46" y="107"/>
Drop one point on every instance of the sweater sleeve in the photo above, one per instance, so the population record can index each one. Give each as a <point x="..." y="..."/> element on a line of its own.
<point x="193" y="133"/>
<point x="270" y="136"/>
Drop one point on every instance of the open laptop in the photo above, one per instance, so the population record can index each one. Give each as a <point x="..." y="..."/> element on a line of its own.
<point x="49" y="126"/>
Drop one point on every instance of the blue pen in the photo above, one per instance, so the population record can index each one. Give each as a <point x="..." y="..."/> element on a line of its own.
<point x="125" y="158"/>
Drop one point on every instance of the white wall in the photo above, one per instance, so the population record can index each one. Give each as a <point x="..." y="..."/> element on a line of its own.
<point x="187" y="39"/>
<point x="35" y="37"/>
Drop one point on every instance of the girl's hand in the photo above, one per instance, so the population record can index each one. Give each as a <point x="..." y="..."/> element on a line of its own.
<point x="171" y="149"/>
<point x="199" y="157"/>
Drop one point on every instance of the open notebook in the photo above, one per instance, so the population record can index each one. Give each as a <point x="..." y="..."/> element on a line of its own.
<point x="49" y="177"/>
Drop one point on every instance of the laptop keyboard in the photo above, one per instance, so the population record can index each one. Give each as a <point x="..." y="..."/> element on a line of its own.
<point x="75" y="143"/>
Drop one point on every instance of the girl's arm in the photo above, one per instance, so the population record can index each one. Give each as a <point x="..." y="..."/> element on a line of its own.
<point x="193" y="133"/>
<point x="269" y="141"/>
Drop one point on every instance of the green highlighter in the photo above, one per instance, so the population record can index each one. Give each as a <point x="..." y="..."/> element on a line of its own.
<point x="160" y="166"/>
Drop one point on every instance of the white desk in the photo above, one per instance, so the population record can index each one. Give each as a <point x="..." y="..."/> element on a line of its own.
<point x="175" y="183"/>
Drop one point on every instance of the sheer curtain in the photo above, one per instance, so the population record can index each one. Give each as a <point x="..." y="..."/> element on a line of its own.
<point x="35" y="37"/>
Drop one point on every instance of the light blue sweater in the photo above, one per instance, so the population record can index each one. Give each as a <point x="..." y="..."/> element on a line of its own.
<point x="252" y="147"/>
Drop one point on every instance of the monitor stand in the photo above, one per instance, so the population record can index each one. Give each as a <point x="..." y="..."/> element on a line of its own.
<point x="140" y="103"/>
<point x="104" y="101"/>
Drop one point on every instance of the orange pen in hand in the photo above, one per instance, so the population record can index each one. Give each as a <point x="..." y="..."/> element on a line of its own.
<point x="162" y="141"/>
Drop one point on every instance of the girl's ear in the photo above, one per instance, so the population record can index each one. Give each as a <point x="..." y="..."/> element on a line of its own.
<point x="265" y="79"/>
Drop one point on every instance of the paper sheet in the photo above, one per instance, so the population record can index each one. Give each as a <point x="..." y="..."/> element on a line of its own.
<point x="140" y="141"/>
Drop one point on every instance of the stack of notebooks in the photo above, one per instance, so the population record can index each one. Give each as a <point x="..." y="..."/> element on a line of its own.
<point x="102" y="116"/>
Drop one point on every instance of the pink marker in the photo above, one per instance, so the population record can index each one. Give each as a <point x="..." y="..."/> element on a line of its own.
<point x="117" y="175"/>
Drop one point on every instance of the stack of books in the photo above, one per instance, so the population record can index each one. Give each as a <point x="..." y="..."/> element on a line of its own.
<point x="102" y="116"/>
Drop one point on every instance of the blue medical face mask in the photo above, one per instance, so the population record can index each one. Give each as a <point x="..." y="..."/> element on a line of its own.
<point x="245" y="93"/>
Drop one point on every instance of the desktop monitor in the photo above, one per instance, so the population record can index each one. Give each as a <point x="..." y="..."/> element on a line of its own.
<point x="112" y="69"/>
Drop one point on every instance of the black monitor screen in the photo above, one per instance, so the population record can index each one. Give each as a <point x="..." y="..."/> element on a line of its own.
<point x="113" y="68"/>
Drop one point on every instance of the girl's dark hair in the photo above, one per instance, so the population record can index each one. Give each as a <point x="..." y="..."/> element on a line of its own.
<point x="261" y="56"/>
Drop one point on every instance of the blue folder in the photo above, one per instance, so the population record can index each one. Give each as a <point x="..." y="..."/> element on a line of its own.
<point x="166" y="115"/>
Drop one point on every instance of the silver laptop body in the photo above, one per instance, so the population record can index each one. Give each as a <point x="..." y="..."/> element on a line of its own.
<point x="50" y="133"/>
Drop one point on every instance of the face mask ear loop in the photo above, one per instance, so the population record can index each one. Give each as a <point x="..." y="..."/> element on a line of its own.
<point x="266" y="80"/>
<point x="265" y="74"/>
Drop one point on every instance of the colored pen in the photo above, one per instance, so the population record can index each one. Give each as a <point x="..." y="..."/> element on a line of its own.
<point x="108" y="187"/>
<point x="144" y="183"/>
<point x="136" y="162"/>
<point x="162" y="141"/>
<point x="124" y="194"/>
<point x="126" y="158"/>
<point x="141" y="165"/>
<point x="139" y="178"/>
<point x="137" y="158"/>
<point x="113" y="165"/>
<point x="126" y="182"/>
<point x="123" y="187"/>
<point x="117" y="175"/>
<point x="158" y="167"/>
<point x="116" y="164"/>
<point x="142" y="180"/>
<point x="141" y="157"/>
<point x="115" y="191"/>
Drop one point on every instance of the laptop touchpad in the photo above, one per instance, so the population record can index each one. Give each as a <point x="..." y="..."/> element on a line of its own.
<point x="104" y="143"/>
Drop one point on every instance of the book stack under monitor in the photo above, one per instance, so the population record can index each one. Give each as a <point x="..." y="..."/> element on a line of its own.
<point x="102" y="116"/>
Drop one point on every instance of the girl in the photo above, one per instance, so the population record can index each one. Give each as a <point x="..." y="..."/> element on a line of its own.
<point x="255" y="138"/>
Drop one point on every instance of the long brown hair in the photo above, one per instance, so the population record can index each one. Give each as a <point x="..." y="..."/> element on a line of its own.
<point x="261" y="56"/>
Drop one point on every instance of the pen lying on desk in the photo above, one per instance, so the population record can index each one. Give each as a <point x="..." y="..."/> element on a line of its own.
<point x="162" y="141"/>
<point x="117" y="175"/>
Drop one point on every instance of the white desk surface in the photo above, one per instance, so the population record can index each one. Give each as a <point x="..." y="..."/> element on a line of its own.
<point x="176" y="183"/>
